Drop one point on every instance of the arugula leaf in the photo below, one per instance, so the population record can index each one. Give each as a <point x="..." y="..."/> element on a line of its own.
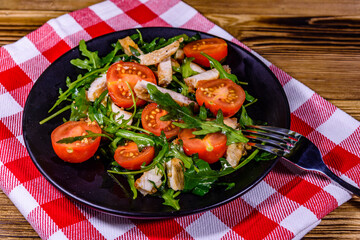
<point x="142" y="140"/>
<point x="89" y="134"/>
<point x="199" y="182"/>
<point x="92" y="62"/>
<point x="185" y="69"/>
<point x="169" y="196"/>
<point x="264" y="156"/>
<point x="109" y="58"/>
<point x="245" y="119"/>
<point x="175" y="111"/>
<point x="203" y="113"/>
<point x="176" y="151"/>
<point x="131" y="181"/>
<point x="183" y="86"/>
<point x="80" y="105"/>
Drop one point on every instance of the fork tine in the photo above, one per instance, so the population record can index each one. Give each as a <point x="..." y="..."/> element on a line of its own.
<point x="272" y="135"/>
<point x="277" y="130"/>
<point x="281" y="144"/>
<point x="268" y="148"/>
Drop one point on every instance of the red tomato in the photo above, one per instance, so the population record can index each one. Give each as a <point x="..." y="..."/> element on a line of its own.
<point x="130" y="158"/>
<point x="78" y="151"/>
<point x="150" y="119"/>
<point x="121" y="72"/>
<point x="210" y="148"/>
<point x="214" y="47"/>
<point x="221" y="94"/>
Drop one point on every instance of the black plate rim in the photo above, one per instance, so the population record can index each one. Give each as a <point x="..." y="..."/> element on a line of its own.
<point x="139" y="215"/>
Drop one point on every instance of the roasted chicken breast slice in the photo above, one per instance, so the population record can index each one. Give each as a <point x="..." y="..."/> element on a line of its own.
<point x="159" y="55"/>
<point x="235" y="151"/>
<point x="97" y="87"/>
<point x="175" y="174"/>
<point x="193" y="81"/>
<point x="164" y="72"/>
<point x="145" y="184"/>
<point x="126" y="43"/>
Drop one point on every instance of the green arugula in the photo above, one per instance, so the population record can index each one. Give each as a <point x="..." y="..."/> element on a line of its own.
<point x="175" y="111"/>
<point x="169" y="196"/>
<point x="223" y="74"/>
<point x="89" y="134"/>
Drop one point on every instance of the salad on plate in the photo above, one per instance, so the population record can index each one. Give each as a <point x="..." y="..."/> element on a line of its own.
<point x="165" y="114"/>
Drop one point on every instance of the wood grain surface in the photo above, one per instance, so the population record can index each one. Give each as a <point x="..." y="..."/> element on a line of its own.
<point x="315" y="41"/>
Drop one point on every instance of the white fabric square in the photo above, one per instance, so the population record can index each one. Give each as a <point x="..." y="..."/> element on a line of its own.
<point x="106" y="10"/>
<point x="8" y="105"/>
<point x="23" y="200"/>
<point x="339" y="126"/>
<point x="301" y="234"/>
<point x="338" y="193"/>
<point x="298" y="220"/>
<point x="65" y="25"/>
<point x="297" y="94"/>
<point x="258" y="194"/>
<point x="111" y="227"/>
<point x="58" y="235"/>
<point x="181" y="9"/>
<point x="207" y="227"/>
<point x="22" y="50"/>
<point x="217" y="31"/>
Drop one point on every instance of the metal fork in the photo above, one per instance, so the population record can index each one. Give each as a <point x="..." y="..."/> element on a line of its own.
<point x="293" y="147"/>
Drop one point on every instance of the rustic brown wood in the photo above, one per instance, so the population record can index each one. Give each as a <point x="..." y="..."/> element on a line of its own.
<point x="315" y="41"/>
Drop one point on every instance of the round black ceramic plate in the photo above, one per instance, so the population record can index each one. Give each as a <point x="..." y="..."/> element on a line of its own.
<point x="88" y="182"/>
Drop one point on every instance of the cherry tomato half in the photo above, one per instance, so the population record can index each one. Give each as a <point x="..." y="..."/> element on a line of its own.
<point x="214" y="47"/>
<point x="150" y="119"/>
<point x="221" y="94"/>
<point x="78" y="151"/>
<point x="210" y="148"/>
<point x="129" y="156"/>
<point x="121" y="72"/>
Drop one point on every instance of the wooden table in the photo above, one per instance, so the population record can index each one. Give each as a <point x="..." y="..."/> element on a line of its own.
<point x="315" y="41"/>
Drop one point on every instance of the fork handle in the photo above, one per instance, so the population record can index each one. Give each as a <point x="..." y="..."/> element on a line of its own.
<point x="344" y="184"/>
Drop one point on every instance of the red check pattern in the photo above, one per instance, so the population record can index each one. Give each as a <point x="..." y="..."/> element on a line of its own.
<point x="286" y="204"/>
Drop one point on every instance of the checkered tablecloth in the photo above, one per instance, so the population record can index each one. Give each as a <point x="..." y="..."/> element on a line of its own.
<point x="286" y="204"/>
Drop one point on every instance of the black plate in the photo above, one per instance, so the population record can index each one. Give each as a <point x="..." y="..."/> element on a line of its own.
<point x="88" y="182"/>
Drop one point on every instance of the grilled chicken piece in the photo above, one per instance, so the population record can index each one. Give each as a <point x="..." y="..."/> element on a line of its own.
<point x="141" y="92"/>
<point x="126" y="43"/>
<point x="234" y="153"/>
<point x="96" y="88"/>
<point x="164" y="72"/>
<point x="159" y="55"/>
<point x="121" y="114"/>
<point x="175" y="174"/>
<point x="145" y="184"/>
<point x="196" y="68"/>
<point x="227" y="68"/>
<point x="193" y="81"/>
<point x="231" y="122"/>
<point x="179" y="55"/>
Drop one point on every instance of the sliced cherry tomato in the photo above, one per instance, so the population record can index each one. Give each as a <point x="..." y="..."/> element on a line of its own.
<point x="121" y="72"/>
<point x="78" y="151"/>
<point x="150" y="119"/>
<point x="210" y="148"/>
<point x="129" y="156"/>
<point x="214" y="47"/>
<point x="221" y="94"/>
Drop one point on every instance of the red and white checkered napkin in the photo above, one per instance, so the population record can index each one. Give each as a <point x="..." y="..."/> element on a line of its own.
<point x="286" y="204"/>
